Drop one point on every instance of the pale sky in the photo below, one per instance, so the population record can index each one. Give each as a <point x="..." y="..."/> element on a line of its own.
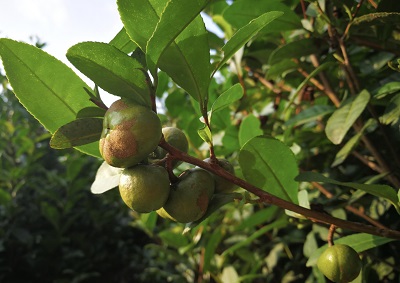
<point x="62" y="24"/>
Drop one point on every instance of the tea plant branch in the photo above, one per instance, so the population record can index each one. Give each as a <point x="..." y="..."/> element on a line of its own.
<point x="349" y="207"/>
<point x="267" y="198"/>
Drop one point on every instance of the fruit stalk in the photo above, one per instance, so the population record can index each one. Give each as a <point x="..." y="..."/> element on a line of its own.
<point x="268" y="198"/>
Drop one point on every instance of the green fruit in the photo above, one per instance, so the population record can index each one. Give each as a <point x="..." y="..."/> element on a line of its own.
<point x="222" y="185"/>
<point x="189" y="197"/>
<point x="144" y="188"/>
<point x="130" y="133"/>
<point x="174" y="137"/>
<point x="340" y="263"/>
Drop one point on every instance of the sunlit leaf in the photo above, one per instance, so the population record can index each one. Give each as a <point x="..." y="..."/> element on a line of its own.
<point x="176" y="16"/>
<point x="243" y="35"/>
<point x="45" y="86"/>
<point x="241" y="12"/>
<point x="392" y="111"/>
<point x="112" y="70"/>
<point x="249" y="128"/>
<point x="344" y="117"/>
<point x="123" y="42"/>
<point x="228" y="97"/>
<point x="270" y="165"/>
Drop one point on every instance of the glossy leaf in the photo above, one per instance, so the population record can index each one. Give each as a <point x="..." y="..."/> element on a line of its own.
<point x="45" y="86"/>
<point x="112" y="70"/>
<point x="344" y="117"/>
<point x="176" y="16"/>
<point x="383" y="191"/>
<point x="107" y="178"/>
<point x="186" y="60"/>
<point x="233" y="94"/>
<point x="76" y="133"/>
<point x="360" y="242"/>
<point x="243" y="35"/>
<point x="123" y="42"/>
<point x="241" y="12"/>
<point x="249" y="128"/>
<point x="270" y="165"/>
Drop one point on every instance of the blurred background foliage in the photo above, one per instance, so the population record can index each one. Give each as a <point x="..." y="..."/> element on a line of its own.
<point x="53" y="230"/>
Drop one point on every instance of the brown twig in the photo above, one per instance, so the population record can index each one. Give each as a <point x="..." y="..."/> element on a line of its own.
<point x="266" y="197"/>
<point x="350" y="208"/>
<point x="331" y="233"/>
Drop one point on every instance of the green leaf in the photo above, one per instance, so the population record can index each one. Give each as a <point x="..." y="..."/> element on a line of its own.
<point x="310" y="114"/>
<point x="383" y="191"/>
<point x="234" y="93"/>
<point x="243" y="35"/>
<point x="351" y="144"/>
<point x="249" y="128"/>
<point x="123" y="42"/>
<point x="76" y="133"/>
<point x="360" y="242"/>
<point x="241" y="12"/>
<point x="382" y="18"/>
<point x="176" y="16"/>
<point x="90" y="112"/>
<point x="212" y="244"/>
<point x="281" y="222"/>
<point x="295" y="49"/>
<point x="112" y="70"/>
<point x="344" y="117"/>
<point x="205" y="134"/>
<point x="270" y="165"/>
<point x="258" y="218"/>
<point x="186" y="60"/>
<point x="389" y="88"/>
<point x="45" y="86"/>
<point x="392" y="111"/>
<point x="107" y="178"/>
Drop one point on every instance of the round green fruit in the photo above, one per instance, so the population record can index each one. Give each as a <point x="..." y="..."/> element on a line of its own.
<point x="189" y="197"/>
<point x="340" y="263"/>
<point x="130" y="133"/>
<point x="222" y="185"/>
<point x="174" y="137"/>
<point x="144" y="188"/>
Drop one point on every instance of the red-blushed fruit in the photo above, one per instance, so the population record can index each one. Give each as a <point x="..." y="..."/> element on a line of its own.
<point x="340" y="263"/>
<point x="144" y="188"/>
<point x="130" y="133"/>
<point x="189" y="197"/>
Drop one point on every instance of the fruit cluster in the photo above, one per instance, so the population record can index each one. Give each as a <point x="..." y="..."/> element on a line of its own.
<point x="130" y="137"/>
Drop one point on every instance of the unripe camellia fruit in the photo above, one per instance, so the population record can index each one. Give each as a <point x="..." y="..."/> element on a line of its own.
<point x="130" y="133"/>
<point x="174" y="137"/>
<point x="144" y="188"/>
<point x="189" y="197"/>
<point x="340" y="263"/>
<point x="222" y="185"/>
